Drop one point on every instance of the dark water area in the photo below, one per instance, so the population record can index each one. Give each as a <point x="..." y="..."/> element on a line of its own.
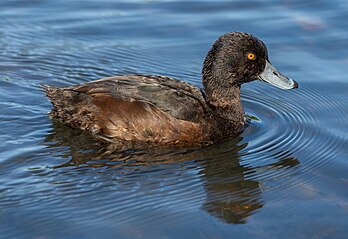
<point x="285" y="176"/>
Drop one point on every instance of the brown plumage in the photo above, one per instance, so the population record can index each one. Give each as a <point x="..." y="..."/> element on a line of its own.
<point x="151" y="109"/>
<point x="164" y="111"/>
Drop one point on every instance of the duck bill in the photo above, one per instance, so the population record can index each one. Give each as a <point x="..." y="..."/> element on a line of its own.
<point x="274" y="77"/>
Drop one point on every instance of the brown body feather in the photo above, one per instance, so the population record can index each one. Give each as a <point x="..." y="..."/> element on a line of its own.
<point x="149" y="109"/>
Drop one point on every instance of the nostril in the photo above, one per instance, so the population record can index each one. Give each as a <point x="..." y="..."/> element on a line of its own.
<point x="275" y="73"/>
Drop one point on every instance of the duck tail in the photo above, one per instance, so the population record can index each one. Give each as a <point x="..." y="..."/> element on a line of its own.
<point x="51" y="92"/>
<point x="55" y="95"/>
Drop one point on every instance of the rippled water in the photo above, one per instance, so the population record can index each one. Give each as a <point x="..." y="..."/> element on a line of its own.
<point x="284" y="177"/>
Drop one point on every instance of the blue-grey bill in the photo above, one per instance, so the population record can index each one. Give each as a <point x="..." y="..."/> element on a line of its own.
<point x="274" y="77"/>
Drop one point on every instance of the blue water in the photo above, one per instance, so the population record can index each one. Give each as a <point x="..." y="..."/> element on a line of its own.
<point x="286" y="176"/>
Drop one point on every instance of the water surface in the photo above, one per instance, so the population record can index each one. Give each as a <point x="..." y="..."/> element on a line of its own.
<point x="284" y="177"/>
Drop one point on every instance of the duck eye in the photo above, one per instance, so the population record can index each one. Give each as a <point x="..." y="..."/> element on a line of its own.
<point x="251" y="56"/>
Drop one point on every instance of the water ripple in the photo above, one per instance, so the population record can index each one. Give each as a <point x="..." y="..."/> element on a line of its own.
<point x="288" y="131"/>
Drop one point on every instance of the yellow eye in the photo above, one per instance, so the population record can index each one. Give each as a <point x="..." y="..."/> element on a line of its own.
<point x="251" y="56"/>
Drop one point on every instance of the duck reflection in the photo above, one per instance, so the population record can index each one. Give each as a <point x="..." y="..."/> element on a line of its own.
<point x="230" y="195"/>
<point x="232" y="192"/>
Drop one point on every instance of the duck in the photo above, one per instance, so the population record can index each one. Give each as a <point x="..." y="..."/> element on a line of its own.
<point x="164" y="111"/>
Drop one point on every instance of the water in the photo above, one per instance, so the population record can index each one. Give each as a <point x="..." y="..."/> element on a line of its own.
<point x="284" y="177"/>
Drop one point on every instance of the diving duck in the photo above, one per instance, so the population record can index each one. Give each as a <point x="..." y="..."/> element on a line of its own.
<point x="162" y="110"/>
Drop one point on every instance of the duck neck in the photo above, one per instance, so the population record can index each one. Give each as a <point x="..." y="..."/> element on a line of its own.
<point x="226" y="105"/>
<point x="222" y="89"/>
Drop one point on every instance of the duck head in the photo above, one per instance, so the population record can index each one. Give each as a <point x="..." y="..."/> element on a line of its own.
<point x="236" y="58"/>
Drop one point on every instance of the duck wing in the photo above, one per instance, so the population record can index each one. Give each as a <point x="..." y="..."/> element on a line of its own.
<point x="177" y="98"/>
<point x="134" y="108"/>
